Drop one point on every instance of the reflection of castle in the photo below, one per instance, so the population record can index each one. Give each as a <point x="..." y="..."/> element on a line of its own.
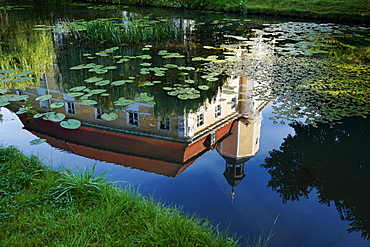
<point x="167" y="146"/>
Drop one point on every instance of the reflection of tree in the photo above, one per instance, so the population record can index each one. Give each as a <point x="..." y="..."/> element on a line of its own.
<point x="25" y="49"/>
<point x="334" y="160"/>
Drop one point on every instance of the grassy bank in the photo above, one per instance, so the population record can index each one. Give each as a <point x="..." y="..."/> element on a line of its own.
<point x="41" y="207"/>
<point x="358" y="10"/>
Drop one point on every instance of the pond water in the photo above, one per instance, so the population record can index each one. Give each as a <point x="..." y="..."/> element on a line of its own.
<point x="198" y="117"/>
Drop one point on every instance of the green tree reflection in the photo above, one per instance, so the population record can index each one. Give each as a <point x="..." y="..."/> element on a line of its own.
<point x="333" y="160"/>
<point x="22" y="48"/>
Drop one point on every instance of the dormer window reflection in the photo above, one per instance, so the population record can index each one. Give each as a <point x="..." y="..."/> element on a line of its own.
<point x="70" y="107"/>
<point x="133" y="118"/>
<point x="98" y="113"/>
<point x="164" y="124"/>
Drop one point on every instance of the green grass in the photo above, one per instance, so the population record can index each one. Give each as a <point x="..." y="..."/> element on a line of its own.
<point x="332" y="9"/>
<point x="42" y="207"/>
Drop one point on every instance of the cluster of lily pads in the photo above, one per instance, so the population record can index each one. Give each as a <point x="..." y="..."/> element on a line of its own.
<point x="9" y="76"/>
<point x="183" y="91"/>
<point x="303" y="86"/>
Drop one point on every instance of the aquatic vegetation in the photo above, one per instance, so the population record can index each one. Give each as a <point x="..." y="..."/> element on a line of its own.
<point x="70" y="124"/>
<point x="292" y="69"/>
<point x="37" y="141"/>
<point x="115" y="32"/>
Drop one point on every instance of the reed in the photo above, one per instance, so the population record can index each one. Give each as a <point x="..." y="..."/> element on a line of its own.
<point x="101" y="31"/>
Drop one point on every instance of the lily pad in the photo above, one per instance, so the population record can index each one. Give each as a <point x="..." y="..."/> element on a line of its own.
<point x="76" y="89"/>
<point x="56" y="105"/>
<point x="14" y="97"/>
<point x="123" y="102"/>
<point x="93" y="79"/>
<point x="88" y="102"/>
<point x="119" y="83"/>
<point x="38" y="115"/>
<point x="203" y="87"/>
<point x="110" y="67"/>
<point x="55" y="117"/>
<point x="109" y="117"/>
<point x="37" y="141"/>
<point x="102" y="83"/>
<point x="71" y="124"/>
<point x="77" y="94"/>
<point x="97" y="91"/>
<point x="44" y="97"/>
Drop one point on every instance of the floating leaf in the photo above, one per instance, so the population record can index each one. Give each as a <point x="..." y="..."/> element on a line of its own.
<point x="93" y="79"/>
<point x="56" y="105"/>
<point x="109" y="117"/>
<point x="97" y="91"/>
<point x="172" y="93"/>
<point x="110" y="67"/>
<point x="14" y="97"/>
<point x="102" y="83"/>
<point x="123" y="102"/>
<point x="197" y="59"/>
<point x="203" y="87"/>
<point x="3" y="90"/>
<point x="44" y="97"/>
<point x="78" y="67"/>
<point x="170" y="65"/>
<point x="37" y="141"/>
<point x="71" y="124"/>
<point x="80" y="88"/>
<point x="77" y="94"/>
<point x="88" y="102"/>
<point x="101" y="71"/>
<point x="148" y="83"/>
<point x="23" y="110"/>
<point x="38" y="115"/>
<point x="119" y="83"/>
<point x="55" y="117"/>
<point x="183" y="96"/>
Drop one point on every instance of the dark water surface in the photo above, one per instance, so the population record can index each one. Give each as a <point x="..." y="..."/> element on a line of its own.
<point x="314" y="181"/>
